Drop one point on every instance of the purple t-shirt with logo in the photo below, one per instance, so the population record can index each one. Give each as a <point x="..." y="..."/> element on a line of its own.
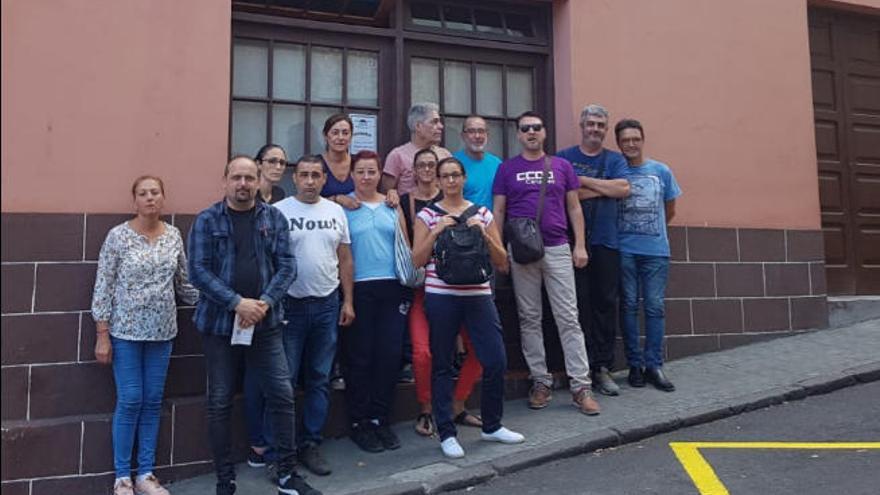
<point x="520" y="180"/>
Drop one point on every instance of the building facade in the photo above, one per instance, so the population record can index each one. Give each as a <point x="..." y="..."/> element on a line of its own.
<point x="768" y="112"/>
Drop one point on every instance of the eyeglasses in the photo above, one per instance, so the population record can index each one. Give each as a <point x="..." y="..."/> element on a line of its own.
<point x="454" y="176"/>
<point x="535" y="127"/>
<point x="275" y="161"/>
<point x="426" y="165"/>
<point x="476" y="132"/>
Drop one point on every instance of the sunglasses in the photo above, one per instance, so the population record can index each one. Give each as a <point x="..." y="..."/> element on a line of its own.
<point x="535" y="127"/>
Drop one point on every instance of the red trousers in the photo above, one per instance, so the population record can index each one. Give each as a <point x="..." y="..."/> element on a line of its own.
<point x="421" y="355"/>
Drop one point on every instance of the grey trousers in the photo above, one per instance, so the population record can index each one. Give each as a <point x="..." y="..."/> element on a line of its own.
<point x="556" y="271"/>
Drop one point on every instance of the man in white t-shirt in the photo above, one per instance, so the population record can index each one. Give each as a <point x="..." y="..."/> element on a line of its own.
<point x="320" y="237"/>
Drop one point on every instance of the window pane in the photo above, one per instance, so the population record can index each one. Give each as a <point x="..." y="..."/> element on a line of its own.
<point x="458" y="18"/>
<point x="318" y="116"/>
<point x="425" y="14"/>
<point x="363" y="78"/>
<point x="248" y="127"/>
<point x="513" y="146"/>
<point x="519" y="91"/>
<point x="326" y="81"/>
<point x="250" y="70"/>
<point x="488" y="22"/>
<point x="452" y="133"/>
<point x="489" y="94"/>
<point x="362" y="8"/>
<point x="495" y="145"/>
<point x="424" y="80"/>
<point x="457" y="87"/>
<point x="519" y="25"/>
<point x="288" y="128"/>
<point x="289" y="72"/>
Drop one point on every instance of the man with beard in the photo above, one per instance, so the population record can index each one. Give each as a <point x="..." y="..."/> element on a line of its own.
<point x="479" y="164"/>
<point x="241" y="261"/>
<point x="517" y="191"/>
<point x="602" y="176"/>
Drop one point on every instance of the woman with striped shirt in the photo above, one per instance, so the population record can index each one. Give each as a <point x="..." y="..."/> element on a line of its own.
<point x="450" y="306"/>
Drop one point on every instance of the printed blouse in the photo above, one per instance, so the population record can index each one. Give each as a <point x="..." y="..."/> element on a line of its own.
<point x="137" y="281"/>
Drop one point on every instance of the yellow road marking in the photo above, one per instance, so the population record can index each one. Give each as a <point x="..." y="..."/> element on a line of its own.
<point x="704" y="477"/>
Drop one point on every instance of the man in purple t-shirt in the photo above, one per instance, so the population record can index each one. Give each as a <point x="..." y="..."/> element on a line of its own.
<point x="516" y="192"/>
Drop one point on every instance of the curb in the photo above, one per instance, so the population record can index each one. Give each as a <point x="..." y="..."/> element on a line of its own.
<point x="634" y="431"/>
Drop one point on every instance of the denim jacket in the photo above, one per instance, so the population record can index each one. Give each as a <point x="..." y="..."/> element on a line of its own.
<point x="212" y="266"/>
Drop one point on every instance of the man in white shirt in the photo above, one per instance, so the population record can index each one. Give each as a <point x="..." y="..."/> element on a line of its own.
<point x="319" y="234"/>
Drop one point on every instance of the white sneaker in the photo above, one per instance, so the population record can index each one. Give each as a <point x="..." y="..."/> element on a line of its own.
<point x="503" y="435"/>
<point x="451" y="448"/>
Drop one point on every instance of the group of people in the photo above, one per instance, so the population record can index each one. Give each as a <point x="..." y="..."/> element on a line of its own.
<point x="284" y="287"/>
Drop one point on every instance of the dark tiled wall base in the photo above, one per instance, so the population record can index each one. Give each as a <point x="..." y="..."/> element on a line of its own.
<point x="727" y="287"/>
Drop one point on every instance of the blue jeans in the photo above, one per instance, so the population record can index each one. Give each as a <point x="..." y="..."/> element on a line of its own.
<point x="265" y="356"/>
<point x="310" y="344"/>
<point x="139" y="370"/>
<point x="646" y="275"/>
<point x="446" y="314"/>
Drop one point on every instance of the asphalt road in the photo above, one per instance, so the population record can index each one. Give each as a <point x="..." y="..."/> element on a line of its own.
<point x="850" y="415"/>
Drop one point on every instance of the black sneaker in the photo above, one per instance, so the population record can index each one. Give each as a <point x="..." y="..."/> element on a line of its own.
<point x="226" y="488"/>
<point x="364" y="435"/>
<point x="310" y="457"/>
<point x="636" y="377"/>
<point x="657" y="378"/>
<point x="293" y="484"/>
<point x="256" y="460"/>
<point x="387" y="437"/>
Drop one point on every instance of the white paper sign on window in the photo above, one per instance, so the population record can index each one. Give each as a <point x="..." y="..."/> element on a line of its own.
<point x="364" y="136"/>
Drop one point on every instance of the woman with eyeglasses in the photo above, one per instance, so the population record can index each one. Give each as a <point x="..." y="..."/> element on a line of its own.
<point x="374" y="342"/>
<point x="450" y="306"/>
<point x="428" y="192"/>
<point x="272" y="161"/>
<point x="141" y="267"/>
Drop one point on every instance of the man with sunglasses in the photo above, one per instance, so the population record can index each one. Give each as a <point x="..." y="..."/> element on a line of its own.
<point x="479" y="164"/>
<point x="517" y="191"/>
<point x="602" y="174"/>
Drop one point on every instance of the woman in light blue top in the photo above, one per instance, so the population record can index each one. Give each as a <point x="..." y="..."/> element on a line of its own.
<point x="141" y="266"/>
<point x="374" y="344"/>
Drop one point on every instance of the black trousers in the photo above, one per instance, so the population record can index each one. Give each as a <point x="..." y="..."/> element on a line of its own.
<point x="597" y="292"/>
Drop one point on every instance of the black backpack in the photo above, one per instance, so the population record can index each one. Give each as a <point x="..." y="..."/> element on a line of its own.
<point x="461" y="256"/>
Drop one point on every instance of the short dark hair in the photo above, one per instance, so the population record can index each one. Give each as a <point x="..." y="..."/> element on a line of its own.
<point x="366" y="155"/>
<point x="239" y="157"/>
<point x="529" y="113"/>
<point x="451" y="159"/>
<point x="309" y="159"/>
<point x="424" y="151"/>
<point x="628" y="124"/>
<point x="265" y="149"/>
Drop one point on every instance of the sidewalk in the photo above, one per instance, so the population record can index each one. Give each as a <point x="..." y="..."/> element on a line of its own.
<point x="709" y="387"/>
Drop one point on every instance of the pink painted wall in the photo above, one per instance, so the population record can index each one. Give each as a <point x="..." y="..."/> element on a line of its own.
<point x="723" y="89"/>
<point x="98" y="92"/>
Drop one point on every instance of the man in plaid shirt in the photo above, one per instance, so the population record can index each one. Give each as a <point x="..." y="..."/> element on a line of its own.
<point x="241" y="260"/>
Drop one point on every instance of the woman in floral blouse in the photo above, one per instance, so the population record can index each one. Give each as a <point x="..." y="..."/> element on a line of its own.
<point x="141" y="267"/>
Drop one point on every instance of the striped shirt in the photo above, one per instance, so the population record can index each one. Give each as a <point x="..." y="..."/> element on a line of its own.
<point x="433" y="283"/>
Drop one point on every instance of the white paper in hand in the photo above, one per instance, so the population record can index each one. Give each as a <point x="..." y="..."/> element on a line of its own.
<point x="241" y="335"/>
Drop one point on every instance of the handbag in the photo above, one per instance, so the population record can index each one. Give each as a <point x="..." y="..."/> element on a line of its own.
<point x="407" y="274"/>
<point x="524" y="234"/>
